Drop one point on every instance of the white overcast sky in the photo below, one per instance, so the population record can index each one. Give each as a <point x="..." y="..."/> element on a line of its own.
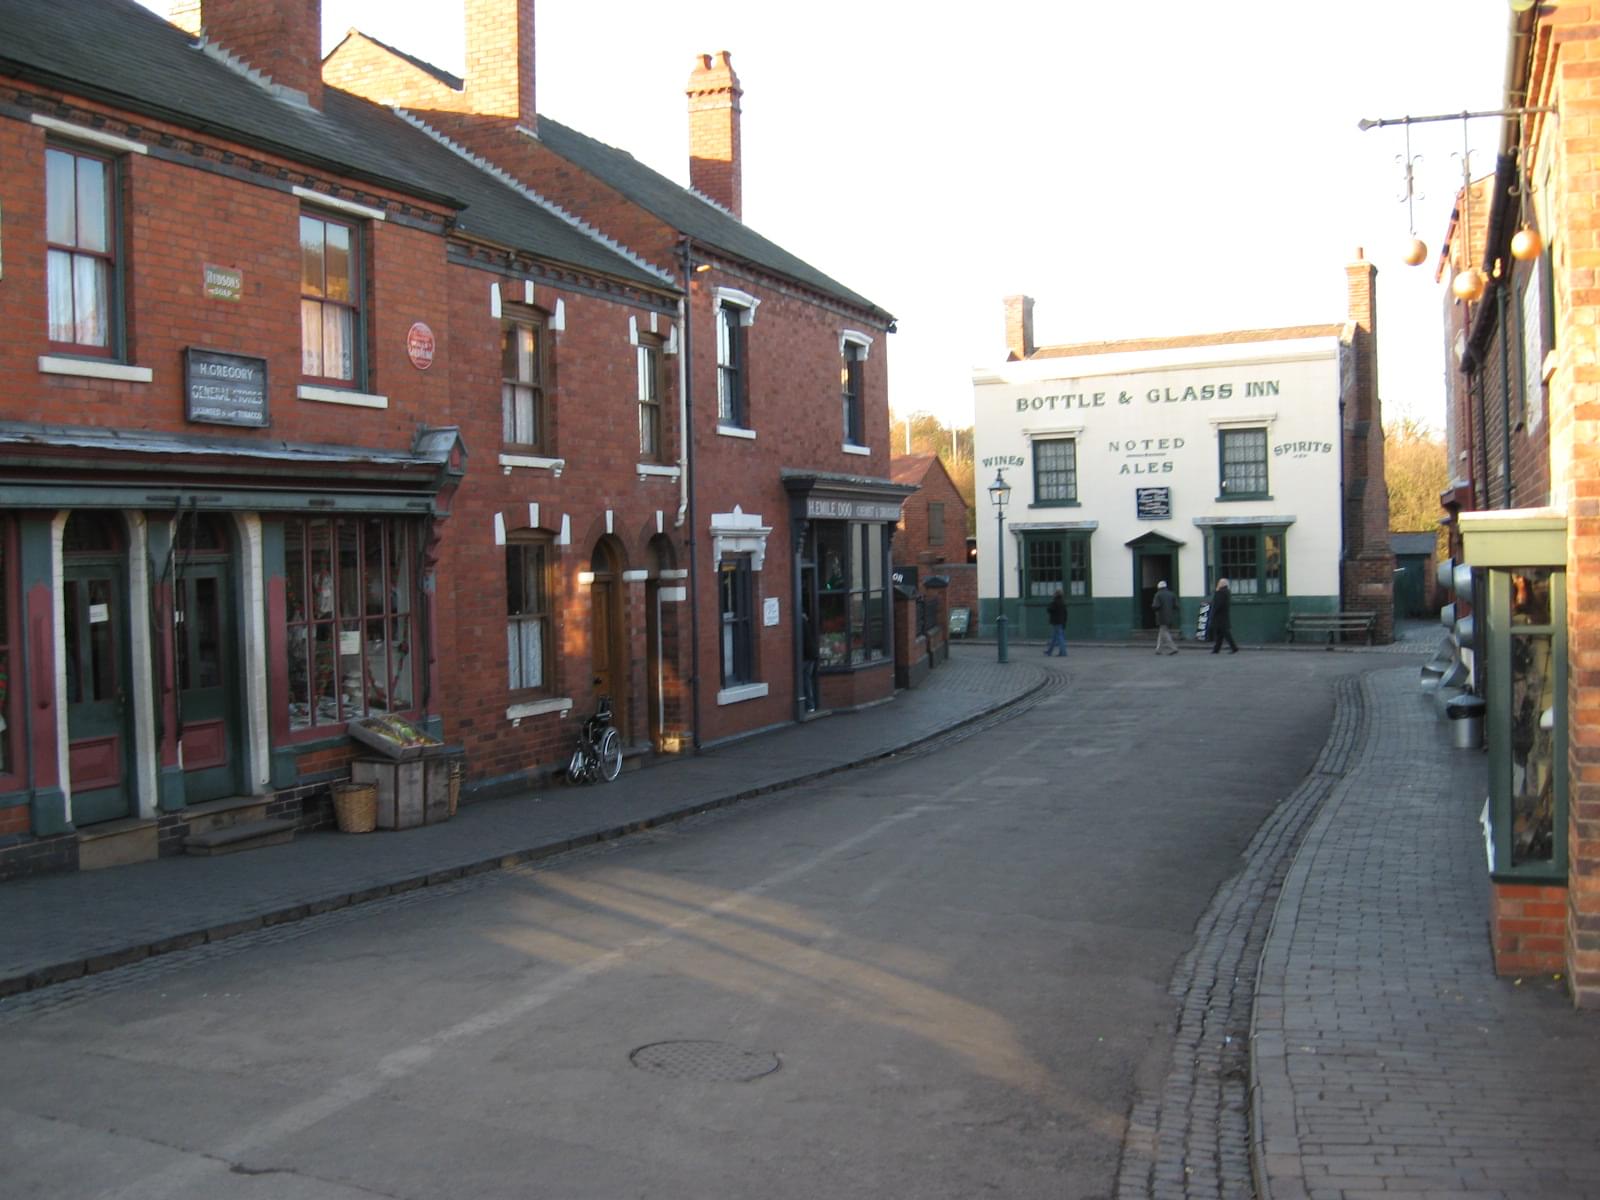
<point x="1143" y="169"/>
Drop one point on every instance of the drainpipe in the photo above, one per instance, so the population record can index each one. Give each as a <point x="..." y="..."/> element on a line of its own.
<point x="1505" y="388"/>
<point x="686" y="489"/>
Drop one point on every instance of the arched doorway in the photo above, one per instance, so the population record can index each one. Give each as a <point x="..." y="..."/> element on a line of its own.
<point x="206" y="647"/>
<point x="608" y="631"/>
<point x="94" y="623"/>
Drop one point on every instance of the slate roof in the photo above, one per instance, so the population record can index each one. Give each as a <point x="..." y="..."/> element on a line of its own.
<point x="910" y="468"/>
<point x="688" y="212"/>
<point x="126" y="56"/>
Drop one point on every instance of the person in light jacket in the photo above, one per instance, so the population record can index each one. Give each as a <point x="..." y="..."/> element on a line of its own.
<point x="1166" y="606"/>
<point x="1221" y="622"/>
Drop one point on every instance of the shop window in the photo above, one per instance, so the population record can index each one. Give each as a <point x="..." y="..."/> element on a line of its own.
<point x="350" y="588"/>
<point x="648" y="369"/>
<point x="1252" y="561"/>
<point x="528" y="592"/>
<point x="850" y="375"/>
<point x="81" y="263"/>
<point x="522" y="413"/>
<point x="736" y="587"/>
<point x="330" y="299"/>
<point x="1243" y="454"/>
<point x="1052" y="561"/>
<point x="1055" y="471"/>
<point x="1533" y="818"/>
<point x="852" y="594"/>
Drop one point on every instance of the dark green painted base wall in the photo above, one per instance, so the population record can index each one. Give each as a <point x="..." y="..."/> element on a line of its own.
<point x="1113" y="619"/>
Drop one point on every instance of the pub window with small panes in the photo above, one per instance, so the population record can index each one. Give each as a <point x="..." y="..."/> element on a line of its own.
<point x="528" y="624"/>
<point x="1243" y="457"/>
<point x="1055" y="471"/>
<point x="1056" y="560"/>
<point x="1251" y="559"/>
<point x="523" y="419"/>
<point x="331" y="322"/>
<point x="350" y="593"/>
<point x="82" y="270"/>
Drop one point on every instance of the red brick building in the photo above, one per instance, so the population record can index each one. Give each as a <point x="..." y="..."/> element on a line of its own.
<point x="311" y="413"/>
<point x="1525" y="501"/>
<point x="933" y="529"/>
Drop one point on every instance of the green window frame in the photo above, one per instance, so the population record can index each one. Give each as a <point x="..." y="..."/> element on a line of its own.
<point x="1242" y="464"/>
<point x="1056" y="560"/>
<point x="1252" y="559"/>
<point x="1055" y="471"/>
<point x="1527" y="678"/>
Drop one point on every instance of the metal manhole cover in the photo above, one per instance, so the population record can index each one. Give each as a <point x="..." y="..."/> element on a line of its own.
<point x="715" y="1061"/>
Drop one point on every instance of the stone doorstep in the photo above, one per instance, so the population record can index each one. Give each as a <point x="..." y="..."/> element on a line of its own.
<point x="118" y="843"/>
<point x="219" y="814"/>
<point x="246" y="835"/>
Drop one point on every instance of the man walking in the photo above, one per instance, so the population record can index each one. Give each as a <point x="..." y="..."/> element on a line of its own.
<point x="1057" y="613"/>
<point x="1166" y="606"/>
<point x="1221" y="622"/>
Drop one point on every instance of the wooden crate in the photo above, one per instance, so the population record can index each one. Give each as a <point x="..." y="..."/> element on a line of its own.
<point x="411" y="792"/>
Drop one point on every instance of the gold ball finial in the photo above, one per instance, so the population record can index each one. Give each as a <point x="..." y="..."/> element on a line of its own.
<point x="1416" y="252"/>
<point x="1468" y="284"/>
<point x="1526" y="244"/>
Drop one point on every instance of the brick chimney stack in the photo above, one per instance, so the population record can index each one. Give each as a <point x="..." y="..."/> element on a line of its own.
<point x="1019" y="326"/>
<point x="280" y="38"/>
<point x="500" y="60"/>
<point x="185" y="14"/>
<point x="714" y="166"/>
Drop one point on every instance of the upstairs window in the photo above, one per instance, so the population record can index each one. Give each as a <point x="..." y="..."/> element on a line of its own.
<point x="936" y="522"/>
<point x="648" y="363"/>
<point x="1055" y="471"/>
<point x="81" y="254"/>
<point x="732" y="384"/>
<point x="522" y="411"/>
<point x="850" y="373"/>
<point x="330" y="299"/>
<point x="1243" y="453"/>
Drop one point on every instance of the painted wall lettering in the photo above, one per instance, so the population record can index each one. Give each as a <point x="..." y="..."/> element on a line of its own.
<point x="1301" y="449"/>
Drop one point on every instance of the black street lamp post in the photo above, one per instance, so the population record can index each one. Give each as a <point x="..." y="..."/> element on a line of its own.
<point x="1000" y="495"/>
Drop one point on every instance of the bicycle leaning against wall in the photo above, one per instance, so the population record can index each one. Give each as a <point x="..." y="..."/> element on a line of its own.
<point x="598" y="754"/>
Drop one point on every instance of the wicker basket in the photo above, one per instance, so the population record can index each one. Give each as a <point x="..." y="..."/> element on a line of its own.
<point x="355" y="807"/>
<point x="458" y="772"/>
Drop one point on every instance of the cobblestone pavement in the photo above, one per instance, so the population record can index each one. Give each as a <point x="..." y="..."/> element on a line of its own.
<point x="63" y="927"/>
<point x="1386" y="1059"/>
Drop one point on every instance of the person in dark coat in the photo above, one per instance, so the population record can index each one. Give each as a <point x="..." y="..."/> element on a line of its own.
<point x="1166" y="606"/>
<point x="1221" y="622"/>
<point x="1057" y="613"/>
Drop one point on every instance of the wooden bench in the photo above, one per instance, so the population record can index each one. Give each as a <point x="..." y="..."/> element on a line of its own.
<point x="1335" y="625"/>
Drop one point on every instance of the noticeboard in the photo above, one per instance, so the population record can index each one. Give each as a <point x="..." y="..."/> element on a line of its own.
<point x="225" y="389"/>
<point x="1153" y="503"/>
<point x="960" y="619"/>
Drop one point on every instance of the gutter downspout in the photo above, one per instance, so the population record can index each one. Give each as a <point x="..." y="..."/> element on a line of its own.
<point x="1505" y="392"/>
<point x="686" y="508"/>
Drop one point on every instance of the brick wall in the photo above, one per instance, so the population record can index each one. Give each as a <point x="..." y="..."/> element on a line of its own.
<point x="1527" y="928"/>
